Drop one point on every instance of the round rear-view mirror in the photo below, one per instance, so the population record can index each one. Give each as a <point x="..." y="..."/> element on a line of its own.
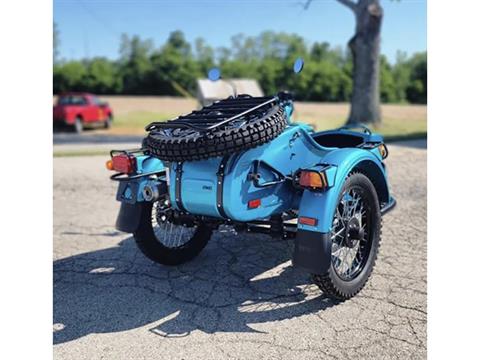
<point x="298" y="65"/>
<point x="214" y="74"/>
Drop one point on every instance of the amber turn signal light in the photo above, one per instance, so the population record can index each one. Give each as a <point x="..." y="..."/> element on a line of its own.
<point x="313" y="179"/>
<point x="383" y="150"/>
<point x="109" y="165"/>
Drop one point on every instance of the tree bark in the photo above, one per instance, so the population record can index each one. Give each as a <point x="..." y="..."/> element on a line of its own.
<point x="365" y="48"/>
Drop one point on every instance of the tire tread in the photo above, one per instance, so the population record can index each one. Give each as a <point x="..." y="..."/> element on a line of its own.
<point x="219" y="143"/>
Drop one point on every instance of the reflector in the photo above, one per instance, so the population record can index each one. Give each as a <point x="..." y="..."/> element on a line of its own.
<point x="307" y="221"/>
<point x="253" y="204"/>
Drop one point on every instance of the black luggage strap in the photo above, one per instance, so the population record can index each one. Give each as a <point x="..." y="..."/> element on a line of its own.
<point x="178" y="186"/>
<point x="220" y="178"/>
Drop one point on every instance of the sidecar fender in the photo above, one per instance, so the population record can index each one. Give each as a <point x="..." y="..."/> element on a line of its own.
<point x="312" y="243"/>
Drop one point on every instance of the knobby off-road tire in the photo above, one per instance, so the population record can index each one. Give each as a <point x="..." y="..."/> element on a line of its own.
<point x="220" y="142"/>
<point x="152" y="247"/>
<point x="330" y="282"/>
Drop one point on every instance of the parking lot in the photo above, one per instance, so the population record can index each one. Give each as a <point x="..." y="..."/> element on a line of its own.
<point x="241" y="298"/>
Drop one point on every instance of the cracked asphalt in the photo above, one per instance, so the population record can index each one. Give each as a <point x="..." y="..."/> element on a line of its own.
<point x="240" y="298"/>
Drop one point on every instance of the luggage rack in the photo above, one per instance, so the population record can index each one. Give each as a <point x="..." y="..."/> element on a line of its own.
<point x="218" y="114"/>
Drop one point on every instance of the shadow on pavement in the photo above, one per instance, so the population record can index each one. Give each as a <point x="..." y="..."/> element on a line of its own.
<point x="236" y="281"/>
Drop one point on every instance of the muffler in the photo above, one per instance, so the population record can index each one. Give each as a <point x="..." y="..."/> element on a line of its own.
<point x="152" y="190"/>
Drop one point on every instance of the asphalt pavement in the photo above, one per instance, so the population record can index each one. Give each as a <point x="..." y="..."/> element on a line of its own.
<point x="240" y="298"/>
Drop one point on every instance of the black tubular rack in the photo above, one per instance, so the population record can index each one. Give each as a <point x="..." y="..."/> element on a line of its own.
<point x="219" y="113"/>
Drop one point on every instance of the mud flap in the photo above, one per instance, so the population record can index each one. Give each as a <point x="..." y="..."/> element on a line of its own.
<point x="312" y="251"/>
<point x="128" y="217"/>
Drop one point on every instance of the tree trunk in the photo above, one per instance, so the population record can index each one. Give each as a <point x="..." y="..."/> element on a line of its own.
<point x="365" y="47"/>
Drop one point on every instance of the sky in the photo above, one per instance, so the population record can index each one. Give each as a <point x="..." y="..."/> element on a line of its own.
<point x="91" y="28"/>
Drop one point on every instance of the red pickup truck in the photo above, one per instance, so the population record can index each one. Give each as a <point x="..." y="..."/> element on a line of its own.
<point x="78" y="110"/>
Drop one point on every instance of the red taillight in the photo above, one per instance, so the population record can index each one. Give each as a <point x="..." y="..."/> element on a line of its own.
<point x="124" y="163"/>
<point x="307" y="221"/>
<point x="253" y="204"/>
<point x="313" y="179"/>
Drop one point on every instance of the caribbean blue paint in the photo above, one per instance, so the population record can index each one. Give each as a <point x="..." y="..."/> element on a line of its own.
<point x="295" y="148"/>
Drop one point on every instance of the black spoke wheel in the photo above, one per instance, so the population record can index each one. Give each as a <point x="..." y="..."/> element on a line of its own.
<point x="355" y="239"/>
<point x="166" y="240"/>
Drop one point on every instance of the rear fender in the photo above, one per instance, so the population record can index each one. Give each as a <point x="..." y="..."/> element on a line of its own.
<point x="130" y="194"/>
<point x="313" y="244"/>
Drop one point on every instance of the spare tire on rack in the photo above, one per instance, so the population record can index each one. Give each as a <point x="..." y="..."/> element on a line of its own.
<point x="223" y="128"/>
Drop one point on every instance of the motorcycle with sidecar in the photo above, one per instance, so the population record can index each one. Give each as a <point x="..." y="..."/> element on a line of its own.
<point x="242" y="162"/>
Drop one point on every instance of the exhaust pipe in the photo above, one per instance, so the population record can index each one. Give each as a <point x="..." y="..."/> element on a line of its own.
<point x="151" y="191"/>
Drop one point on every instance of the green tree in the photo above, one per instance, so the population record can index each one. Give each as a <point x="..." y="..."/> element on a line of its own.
<point x="401" y="76"/>
<point x="134" y="63"/>
<point x="204" y="55"/>
<point x="174" y="70"/>
<point x="416" y="91"/>
<point x="319" y="51"/>
<point x="387" y="81"/>
<point x="268" y="73"/>
<point x="69" y="77"/>
<point x="102" y="76"/>
<point x="322" y="81"/>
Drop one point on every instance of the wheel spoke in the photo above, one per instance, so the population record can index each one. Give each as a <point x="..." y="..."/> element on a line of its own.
<point x="166" y="232"/>
<point x="348" y="255"/>
<point x="338" y="233"/>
